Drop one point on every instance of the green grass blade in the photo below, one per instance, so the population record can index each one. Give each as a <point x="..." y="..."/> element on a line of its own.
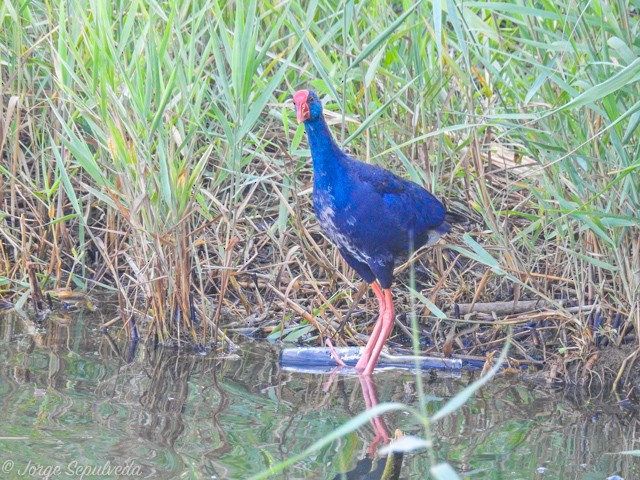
<point x="384" y="35"/>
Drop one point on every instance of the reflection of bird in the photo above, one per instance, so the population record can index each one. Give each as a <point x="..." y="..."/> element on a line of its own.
<point x="371" y="215"/>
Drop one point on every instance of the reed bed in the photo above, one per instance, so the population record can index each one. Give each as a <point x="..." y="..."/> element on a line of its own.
<point x="150" y="149"/>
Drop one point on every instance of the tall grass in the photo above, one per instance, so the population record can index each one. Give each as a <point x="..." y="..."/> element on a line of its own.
<point x="148" y="111"/>
<point x="146" y="149"/>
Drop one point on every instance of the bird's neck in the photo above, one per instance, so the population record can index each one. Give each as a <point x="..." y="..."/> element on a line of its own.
<point x="325" y="152"/>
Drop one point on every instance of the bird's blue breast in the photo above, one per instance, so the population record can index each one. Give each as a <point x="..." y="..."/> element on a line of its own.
<point x="336" y="218"/>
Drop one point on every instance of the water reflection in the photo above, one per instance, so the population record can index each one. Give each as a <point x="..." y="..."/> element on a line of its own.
<point x="69" y="393"/>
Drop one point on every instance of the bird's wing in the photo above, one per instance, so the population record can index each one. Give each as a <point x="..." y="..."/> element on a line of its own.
<point x="413" y="206"/>
<point x="389" y="184"/>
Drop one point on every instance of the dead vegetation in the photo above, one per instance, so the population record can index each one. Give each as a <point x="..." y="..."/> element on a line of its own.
<point x="198" y="215"/>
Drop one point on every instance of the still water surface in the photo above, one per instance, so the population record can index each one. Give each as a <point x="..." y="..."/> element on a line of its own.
<point x="77" y="401"/>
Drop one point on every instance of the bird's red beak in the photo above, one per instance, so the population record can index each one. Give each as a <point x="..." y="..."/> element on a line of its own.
<point x="302" y="109"/>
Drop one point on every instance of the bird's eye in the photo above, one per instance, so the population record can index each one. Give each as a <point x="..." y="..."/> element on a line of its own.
<point x="311" y="100"/>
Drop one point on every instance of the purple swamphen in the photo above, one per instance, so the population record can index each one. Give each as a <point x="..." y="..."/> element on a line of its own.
<point x="373" y="216"/>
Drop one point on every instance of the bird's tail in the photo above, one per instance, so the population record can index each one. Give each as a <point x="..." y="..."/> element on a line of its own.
<point x="453" y="218"/>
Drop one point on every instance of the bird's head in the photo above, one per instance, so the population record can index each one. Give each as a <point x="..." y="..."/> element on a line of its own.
<point x="308" y="105"/>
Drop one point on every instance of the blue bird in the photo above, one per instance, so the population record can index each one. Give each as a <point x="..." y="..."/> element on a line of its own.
<point x="373" y="216"/>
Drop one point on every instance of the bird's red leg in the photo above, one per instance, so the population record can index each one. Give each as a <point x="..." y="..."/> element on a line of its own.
<point x="366" y="354"/>
<point x="387" y="316"/>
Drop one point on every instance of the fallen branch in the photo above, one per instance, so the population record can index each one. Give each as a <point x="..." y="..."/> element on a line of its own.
<point x="504" y="308"/>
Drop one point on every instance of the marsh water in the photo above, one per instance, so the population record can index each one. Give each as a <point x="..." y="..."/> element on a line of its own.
<point x="78" y="403"/>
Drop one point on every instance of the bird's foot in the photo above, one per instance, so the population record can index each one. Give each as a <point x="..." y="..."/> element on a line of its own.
<point x="334" y="354"/>
<point x="361" y="366"/>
